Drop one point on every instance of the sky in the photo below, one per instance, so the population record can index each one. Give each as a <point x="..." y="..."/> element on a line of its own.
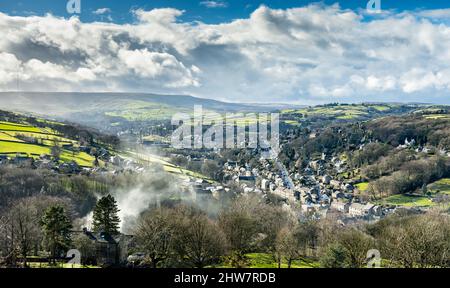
<point x="300" y="52"/>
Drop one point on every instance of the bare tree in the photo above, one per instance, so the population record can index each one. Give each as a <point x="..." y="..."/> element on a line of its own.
<point x="356" y="244"/>
<point x="241" y="229"/>
<point x="417" y="241"/>
<point x="20" y="228"/>
<point x="199" y="242"/>
<point x="155" y="235"/>
<point x="287" y="245"/>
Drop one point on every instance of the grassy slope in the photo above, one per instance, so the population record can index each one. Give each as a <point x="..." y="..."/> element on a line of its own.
<point x="264" y="260"/>
<point x="58" y="265"/>
<point x="11" y="145"/>
<point x="340" y="112"/>
<point x="442" y="186"/>
<point x="408" y="201"/>
<point x="439" y="187"/>
<point x="168" y="167"/>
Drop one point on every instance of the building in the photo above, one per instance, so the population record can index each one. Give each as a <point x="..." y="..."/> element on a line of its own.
<point x="249" y="180"/>
<point x="360" y="210"/>
<point x="265" y="184"/>
<point x="326" y="179"/>
<point x="3" y="159"/>
<point x="340" y="206"/>
<point x="109" y="250"/>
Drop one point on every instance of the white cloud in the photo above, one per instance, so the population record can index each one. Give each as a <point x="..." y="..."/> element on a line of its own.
<point x="153" y="64"/>
<point x="214" y="4"/>
<point x="435" y="13"/>
<point x="313" y="53"/>
<point x="162" y="16"/>
<point x="101" y="11"/>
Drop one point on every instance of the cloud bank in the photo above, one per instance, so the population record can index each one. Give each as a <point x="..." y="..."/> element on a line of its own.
<point x="309" y="54"/>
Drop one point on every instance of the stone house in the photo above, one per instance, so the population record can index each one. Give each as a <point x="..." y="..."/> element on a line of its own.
<point x="109" y="250"/>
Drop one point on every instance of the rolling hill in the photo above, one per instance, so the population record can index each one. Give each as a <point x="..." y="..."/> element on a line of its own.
<point x="107" y="106"/>
<point x="34" y="137"/>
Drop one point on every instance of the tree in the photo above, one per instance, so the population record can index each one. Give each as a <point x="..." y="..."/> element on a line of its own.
<point x="87" y="249"/>
<point x="424" y="189"/>
<point x="270" y="220"/>
<point x="199" y="241"/>
<point x="105" y="215"/>
<point x="416" y="241"/>
<point x="307" y="233"/>
<point x="287" y="246"/>
<point x="155" y="235"/>
<point x="240" y="230"/>
<point x="334" y="257"/>
<point x="56" y="151"/>
<point x="356" y="244"/>
<point x="211" y="169"/>
<point x="56" y="227"/>
<point x="25" y="226"/>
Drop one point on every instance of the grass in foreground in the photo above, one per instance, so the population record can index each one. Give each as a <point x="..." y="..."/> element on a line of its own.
<point x="265" y="260"/>
<point x="59" y="265"/>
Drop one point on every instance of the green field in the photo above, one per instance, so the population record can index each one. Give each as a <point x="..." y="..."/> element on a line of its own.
<point x="58" y="265"/>
<point x="291" y="122"/>
<point x="4" y="136"/>
<point x="142" y="110"/>
<point x="437" y="116"/>
<point x="168" y="167"/>
<point x="11" y="145"/>
<point x="264" y="260"/>
<point x="362" y="186"/>
<point x="442" y="186"/>
<point x="408" y="201"/>
<point x="341" y="112"/>
<point x="7" y="126"/>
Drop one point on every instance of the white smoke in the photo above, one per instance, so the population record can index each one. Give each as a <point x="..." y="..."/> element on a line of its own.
<point x="133" y="202"/>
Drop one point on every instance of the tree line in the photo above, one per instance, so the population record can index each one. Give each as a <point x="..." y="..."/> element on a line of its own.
<point x="43" y="225"/>
<point x="184" y="236"/>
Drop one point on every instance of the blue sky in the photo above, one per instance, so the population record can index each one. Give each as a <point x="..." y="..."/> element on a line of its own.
<point x="194" y="10"/>
<point x="240" y="51"/>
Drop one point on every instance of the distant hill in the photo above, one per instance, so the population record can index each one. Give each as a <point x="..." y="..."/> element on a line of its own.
<point x="103" y="109"/>
<point x="32" y="137"/>
<point x="62" y="103"/>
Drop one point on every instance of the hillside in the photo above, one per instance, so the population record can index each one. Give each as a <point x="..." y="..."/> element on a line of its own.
<point x="35" y="138"/>
<point x="346" y="112"/>
<point x="102" y="110"/>
<point x="401" y="160"/>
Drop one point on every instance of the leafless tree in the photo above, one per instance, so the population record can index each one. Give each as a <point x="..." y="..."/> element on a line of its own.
<point x="155" y="235"/>
<point x="287" y="245"/>
<point x="199" y="241"/>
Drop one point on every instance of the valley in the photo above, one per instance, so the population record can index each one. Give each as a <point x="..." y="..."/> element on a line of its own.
<point x="351" y="164"/>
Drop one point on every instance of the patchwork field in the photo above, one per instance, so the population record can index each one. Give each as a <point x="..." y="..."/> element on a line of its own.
<point x="341" y="111"/>
<point x="12" y="142"/>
